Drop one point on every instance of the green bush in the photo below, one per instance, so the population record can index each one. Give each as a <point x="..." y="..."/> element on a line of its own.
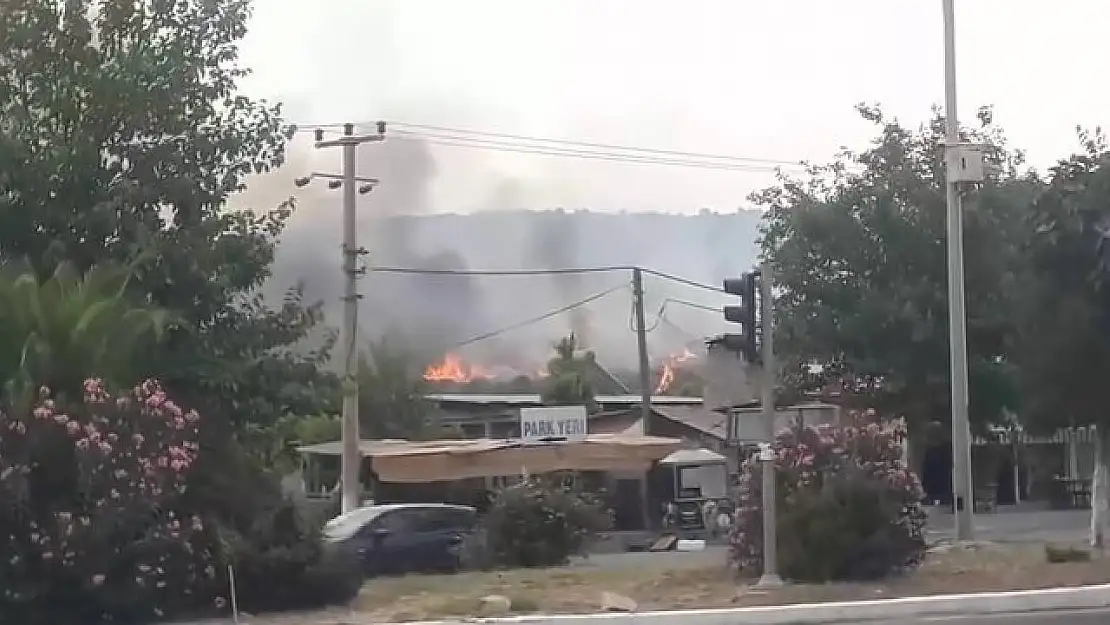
<point x="282" y="564"/>
<point x="92" y="522"/>
<point x="538" y="522"/>
<point x="848" y="507"/>
<point x="110" y="512"/>
<point x="844" y="531"/>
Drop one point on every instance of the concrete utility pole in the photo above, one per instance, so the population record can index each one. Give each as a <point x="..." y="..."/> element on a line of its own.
<point x="962" y="489"/>
<point x="641" y="346"/>
<point x="770" y="577"/>
<point x="352" y="454"/>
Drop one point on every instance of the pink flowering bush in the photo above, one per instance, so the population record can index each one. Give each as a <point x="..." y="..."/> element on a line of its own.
<point x="90" y="525"/>
<point x="848" y="507"/>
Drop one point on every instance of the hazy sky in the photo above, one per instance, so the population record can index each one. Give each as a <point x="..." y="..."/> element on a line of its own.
<point x="757" y="79"/>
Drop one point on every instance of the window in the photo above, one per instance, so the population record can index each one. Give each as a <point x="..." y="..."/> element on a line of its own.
<point x="404" y="520"/>
<point x="446" y="519"/>
<point x="505" y="481"/>
<point x="346" y="525"/>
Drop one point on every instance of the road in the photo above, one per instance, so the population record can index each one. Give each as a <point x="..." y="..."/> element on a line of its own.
<point x="1037" y="526"/>
<point x="1069" y="617"/>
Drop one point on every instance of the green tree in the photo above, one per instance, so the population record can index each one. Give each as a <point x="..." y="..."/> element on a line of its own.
<point x="123" y="134"/>
<point x="568" y="381"/>
<point x="123" y="137"/>
<point x="391" y="400"/>
<point x="858" y="251"/>
<point x="1065" y="347"/>
<point x="60" y="331"/>
<point x="274" y="447"/>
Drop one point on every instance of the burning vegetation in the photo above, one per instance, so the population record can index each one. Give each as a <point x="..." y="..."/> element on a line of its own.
<point x="453" y="369"/>
<point x="672" y="366"/>
<point x="678" y="373"/>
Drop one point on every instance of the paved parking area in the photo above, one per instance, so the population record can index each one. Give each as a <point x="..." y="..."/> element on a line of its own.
<point x="1013" y="526"/>
<point x="1064" y="526"/>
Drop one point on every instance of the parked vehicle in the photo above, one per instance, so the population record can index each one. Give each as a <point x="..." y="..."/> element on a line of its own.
<point x="393" y="539"/>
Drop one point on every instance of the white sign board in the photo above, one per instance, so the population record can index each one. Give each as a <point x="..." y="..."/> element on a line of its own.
<point x="553" y="422"/>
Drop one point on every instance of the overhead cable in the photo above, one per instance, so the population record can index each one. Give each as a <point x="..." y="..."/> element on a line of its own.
<point x="543" y="317"/>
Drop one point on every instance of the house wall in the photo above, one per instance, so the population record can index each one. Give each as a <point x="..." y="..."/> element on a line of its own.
<point x="748" y="425"/>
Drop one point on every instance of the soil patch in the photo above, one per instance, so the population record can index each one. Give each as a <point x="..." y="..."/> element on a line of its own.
<point x="981" y="568"/>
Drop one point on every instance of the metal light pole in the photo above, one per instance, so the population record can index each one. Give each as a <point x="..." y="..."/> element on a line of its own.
<point x="770" y="577"/>
<point x="962" y="489"/>
<point x="351" y="454"/>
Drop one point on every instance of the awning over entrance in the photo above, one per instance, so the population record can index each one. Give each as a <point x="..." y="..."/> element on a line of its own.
<point x="441" y="460"/>
<point x="694" y="456"/>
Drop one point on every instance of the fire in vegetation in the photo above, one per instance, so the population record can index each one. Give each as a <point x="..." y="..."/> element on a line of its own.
<point x="671" y="366"/>
<point x="454" y="370"/>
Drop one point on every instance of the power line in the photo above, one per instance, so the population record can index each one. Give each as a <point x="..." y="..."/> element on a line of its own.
<point x="691" y="283"/>
<point x="582" y="154"/>
<point x="543" y="317"/>
<point x="682" y="302"/>
<point x="458" y="137"/>
<point x="424" y="128"/>
<point x="505" y="272"/>
<point x="545" y="272"/>
<point x="660" y="315"/>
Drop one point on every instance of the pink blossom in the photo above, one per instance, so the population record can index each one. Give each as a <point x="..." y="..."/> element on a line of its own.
<point x="173" y="409"/>
<point x="155" y="400"/>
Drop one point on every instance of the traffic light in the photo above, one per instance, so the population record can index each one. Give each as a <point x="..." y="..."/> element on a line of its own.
<point x="745" y="314"/>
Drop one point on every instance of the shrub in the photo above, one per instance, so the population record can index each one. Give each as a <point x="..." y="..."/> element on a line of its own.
<point x="281" y="552"/>
<point x="537" y="522"/>
<point x="1055" y="554"/>
<point x="100" y="521"/>
<point x="848" y="507"/>
<point x="89" y="521"/>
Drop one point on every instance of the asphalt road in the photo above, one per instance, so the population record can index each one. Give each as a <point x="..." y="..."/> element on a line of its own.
<point x="1035" y="526"/>
<point x="1062" y="617"/>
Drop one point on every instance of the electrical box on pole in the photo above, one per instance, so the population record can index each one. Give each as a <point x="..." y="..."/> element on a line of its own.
<point x="965" y="162"/>
<point x="744" y="314"/>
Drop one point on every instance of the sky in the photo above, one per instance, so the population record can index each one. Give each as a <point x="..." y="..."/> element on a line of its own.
<point x="773" y="80"/>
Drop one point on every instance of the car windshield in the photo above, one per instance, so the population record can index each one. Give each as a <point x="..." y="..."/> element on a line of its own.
<point x="345" y="525"/>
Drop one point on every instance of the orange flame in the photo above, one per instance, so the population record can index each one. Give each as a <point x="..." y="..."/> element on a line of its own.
<point x="453" y="369"/>
<point x="456" y="370"/>
<point x="670" y="364"/>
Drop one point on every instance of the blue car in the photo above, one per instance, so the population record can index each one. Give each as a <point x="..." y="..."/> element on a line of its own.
<point x="395" y="539"/>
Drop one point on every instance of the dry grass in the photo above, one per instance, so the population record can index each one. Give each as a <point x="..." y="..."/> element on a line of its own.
<point x="569" y="590"/>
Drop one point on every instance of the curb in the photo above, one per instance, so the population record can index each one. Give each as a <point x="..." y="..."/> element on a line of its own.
<point x="981" y="604"/>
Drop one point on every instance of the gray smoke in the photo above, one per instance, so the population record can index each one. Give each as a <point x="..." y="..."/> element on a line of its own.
<point x="402" y="223"/>
<point x="556" y="246"/>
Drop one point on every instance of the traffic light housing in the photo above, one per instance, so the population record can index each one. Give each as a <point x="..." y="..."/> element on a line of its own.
<point x="744" y="314"/>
